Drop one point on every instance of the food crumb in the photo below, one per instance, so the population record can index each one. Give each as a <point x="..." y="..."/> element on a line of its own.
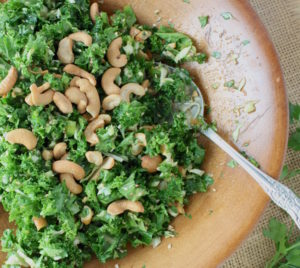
<point x="242" y="84"/>
<point x="169" y="246"/>
<point x="250" y="107"/>
<point x="157" y="11"/>
<point x="236" y="132"/>
<point x="214" y="189"/>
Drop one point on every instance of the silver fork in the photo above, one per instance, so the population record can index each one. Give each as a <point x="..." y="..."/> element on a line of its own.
<point x="281" y="195"/>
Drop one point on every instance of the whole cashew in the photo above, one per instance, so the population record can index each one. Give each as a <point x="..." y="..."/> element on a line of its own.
<point x="37" y="97"/>
<point x="108" y="79"/>
<point x="88" y="218"/>
<point x="151" y="163"/>
<point x="75" y="70"/>
<point x="131" y="88"/>
<point x="77" y="97"/>
<point x="65" y="51"/>
<point x="114" y="56"/>
<point x="59" y="150"/>
<point x="94" y="11"/>
<point x="142" y="142"/>
<point x="108" y="163"/>
<point x="82" y="37"/>
<point x="47" y="155"/>
<point x="111" y="102"/>
<point x="62" y="103"/>
<point x="66" y="166"/>
<point x="118" y="207"/>
<point x="71" y="184"/>
<point x="89" y="132"/>
<point x="143" y="36"/>
<point x="9" y="81"/>
<point x="94" y="105"/>
<point x="74" y="81"/>
<point x="94" y="157"/>
<point x="134" y="32"/>
<point x="39" y="223"/>
<point x="22" y="136"/>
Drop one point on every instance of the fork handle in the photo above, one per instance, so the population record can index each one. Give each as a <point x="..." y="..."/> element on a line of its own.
<point x="281" y="195"/>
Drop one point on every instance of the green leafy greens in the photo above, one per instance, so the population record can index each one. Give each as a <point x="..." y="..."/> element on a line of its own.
<point x="294" y="140"/>
<point x="287" y="254"/>
<point x="29" y="35"/>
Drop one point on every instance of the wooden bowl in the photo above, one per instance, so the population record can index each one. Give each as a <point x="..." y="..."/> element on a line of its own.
<point x="223" y="217"/>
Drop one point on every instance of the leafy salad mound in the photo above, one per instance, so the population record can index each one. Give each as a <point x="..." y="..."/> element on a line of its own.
<point x="60" y="227"/>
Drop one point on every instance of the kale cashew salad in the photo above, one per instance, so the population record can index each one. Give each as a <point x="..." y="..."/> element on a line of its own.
<point x="93" y="155"/>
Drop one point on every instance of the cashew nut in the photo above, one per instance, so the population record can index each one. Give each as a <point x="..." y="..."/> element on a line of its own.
<point x="59" y="150"/>
<point x="71" y="184"/>
<point x="88" y="218"/>
<point x="105" y="117"/>
<point x="65" y="51"/>
<point x="66" y="166"/>
<point x="108" y="163"/>
<point x="114" y="56"/>
<point x="89" y="132"/>
<point x="108" y="79"/>
<point x="118" y="207"/>
<point x="94" y="157"/>
<point x="65" y="156"/>
<point x="75" y="70"/>
<point x="151" y="163"/>
<point x="111" y="102"/>
<point x="9" y="81"/>
<point x="28" y="100"/>
<point x="131" y="88"/>
<point x="182" y="171"/>
<point x="92" y="95"/>
<point x="143" y="36"/>
<point x="37" y="97"/>
<point x="180" y="208"/>
<point x="39" y="223"/>
<point x="82" y="37"/>
<point x="77" y="97"/>
<point x="146" y="84"/>
<point x="134" y="32"/>
<point x="74" y="81"/>
<point x="144" y="55"/>
<point x="62" y="103"/>
<point x="94" y="11"/>
<point x="142" y="142"/>
<point x="148" y="127"/>
<point x="40" y="71"/>
<point x="22" y="136"/>
<point x="47" y="155"/>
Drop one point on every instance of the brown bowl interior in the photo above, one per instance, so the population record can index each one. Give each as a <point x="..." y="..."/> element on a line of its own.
<point x="224" y="216"/>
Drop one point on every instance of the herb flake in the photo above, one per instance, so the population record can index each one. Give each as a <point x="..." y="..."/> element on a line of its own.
<point x="203" y="21"/>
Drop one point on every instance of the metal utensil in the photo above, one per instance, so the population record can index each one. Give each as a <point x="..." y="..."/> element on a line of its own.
<point x="281" y="195"/>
